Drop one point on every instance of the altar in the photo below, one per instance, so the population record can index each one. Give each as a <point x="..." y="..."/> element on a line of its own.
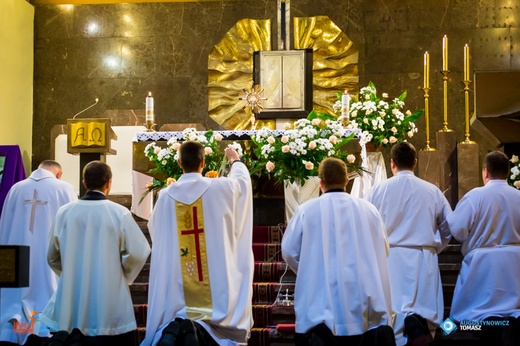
<point x="372" y="162"/>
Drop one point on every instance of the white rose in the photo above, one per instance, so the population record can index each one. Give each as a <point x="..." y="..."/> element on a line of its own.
<point x="393" y="139"/>
<point x="514" y="159"/>
<point x="351" y="158"/>
<point x="385" y="95"/>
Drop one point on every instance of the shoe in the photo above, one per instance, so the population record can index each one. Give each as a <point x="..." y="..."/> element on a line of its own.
<point x="58" y="339"/>
<point x="416" y="329"/>
<point x="189" y="332"/>
<point x="170" y="333"/>
<point x="75" y="338"/>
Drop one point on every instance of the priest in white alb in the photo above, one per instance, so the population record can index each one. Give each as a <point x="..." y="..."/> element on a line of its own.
<point x="27" y="216"/>
<point x="487" y="223"/>
<point x="412" y="210"/>
<point x="202" y="261"/>
<point x="336" y="244"/>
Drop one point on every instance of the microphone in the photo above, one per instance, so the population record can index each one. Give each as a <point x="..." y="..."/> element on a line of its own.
<point x="92" y="105"/>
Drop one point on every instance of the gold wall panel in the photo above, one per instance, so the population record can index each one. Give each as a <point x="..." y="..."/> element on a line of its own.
<point x="99" y="2"/>
<point x="335" y="65"/>
<point x="230" y="70"/>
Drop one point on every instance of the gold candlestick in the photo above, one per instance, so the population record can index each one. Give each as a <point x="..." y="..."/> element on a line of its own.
<point x="466" y="112"/>
<point x="445" y="84"/>
<point x="427" y="118"/>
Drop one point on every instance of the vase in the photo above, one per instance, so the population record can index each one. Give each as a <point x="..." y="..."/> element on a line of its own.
<point x="295" y="194"/>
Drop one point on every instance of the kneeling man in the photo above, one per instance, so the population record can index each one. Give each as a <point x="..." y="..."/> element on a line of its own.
<point x="337" y="246"/>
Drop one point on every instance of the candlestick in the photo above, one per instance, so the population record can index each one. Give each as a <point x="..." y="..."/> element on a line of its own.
<point x="466" y="62"/>
<point x="445" y="99"/>
<point x="426" y="70"/>
<point x="427" y="118"/>
<point x="445" y="53"/>
<point x="149" y="113"/>
<point x="466" y="111"/>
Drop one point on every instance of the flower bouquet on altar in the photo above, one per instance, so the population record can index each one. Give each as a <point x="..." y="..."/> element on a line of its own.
<point x="514" y="177"/>
<point x="382" y="123"/>
<point x="294" y="156"/>
<point x="165" y="158"/>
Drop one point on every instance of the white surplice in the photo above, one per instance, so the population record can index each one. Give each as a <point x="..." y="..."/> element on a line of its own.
<point x="27" y="216"/>
<point x="337" y="246"/>
<point x="487" y="222"/>
<point x="98" y="250"/>
<point x="228" y="219"/>
<point x="412" y="210"/>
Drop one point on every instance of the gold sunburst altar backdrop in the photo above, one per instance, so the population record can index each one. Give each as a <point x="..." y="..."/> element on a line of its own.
<point x="230" y="67"/>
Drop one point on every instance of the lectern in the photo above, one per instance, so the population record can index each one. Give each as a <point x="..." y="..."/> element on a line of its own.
<point x="14" y="266"/>
<point x="90" y="138"/>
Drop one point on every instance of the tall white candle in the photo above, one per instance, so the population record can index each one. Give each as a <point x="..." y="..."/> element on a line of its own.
<point x="149" y="107"/>
<point x="345" y="104"/>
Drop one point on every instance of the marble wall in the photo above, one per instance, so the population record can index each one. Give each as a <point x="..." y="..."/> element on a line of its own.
<point x="117" y="53"/>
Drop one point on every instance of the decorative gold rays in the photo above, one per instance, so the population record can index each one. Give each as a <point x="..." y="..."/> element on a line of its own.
<point x="230" y="66"/>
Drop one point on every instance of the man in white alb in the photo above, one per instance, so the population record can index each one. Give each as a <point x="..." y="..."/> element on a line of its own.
<point x="97" y="249"/>
<point x="487" y="222"/>
<point x="337" y="246"/>
<point x="27" y="216"/>
<point x="202" y="261"/>
<point x="412" y="210"/>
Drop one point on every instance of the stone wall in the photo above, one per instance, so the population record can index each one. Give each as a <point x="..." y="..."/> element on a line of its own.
<point x="164" y="47"/>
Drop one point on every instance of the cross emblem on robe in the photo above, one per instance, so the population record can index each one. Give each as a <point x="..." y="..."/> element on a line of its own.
<point x="34" y="201"/>
<point x="196" y="231"/>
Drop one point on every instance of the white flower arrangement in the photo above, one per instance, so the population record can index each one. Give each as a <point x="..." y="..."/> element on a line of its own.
<point x="514" y="177"/>
<point x="381" y="122"/>
<point x="297" y="153"/>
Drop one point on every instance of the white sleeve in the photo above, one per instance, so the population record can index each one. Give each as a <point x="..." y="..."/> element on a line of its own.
<point x="292" y="241"/>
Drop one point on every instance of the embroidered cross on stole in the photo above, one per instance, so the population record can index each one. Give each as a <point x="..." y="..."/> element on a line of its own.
<point x="194" y="260"/>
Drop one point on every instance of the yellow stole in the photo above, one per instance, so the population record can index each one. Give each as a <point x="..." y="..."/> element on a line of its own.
<point x="194" y="260"/>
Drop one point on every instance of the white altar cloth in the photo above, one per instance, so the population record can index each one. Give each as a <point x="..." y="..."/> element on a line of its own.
<point x="375" y="164"/>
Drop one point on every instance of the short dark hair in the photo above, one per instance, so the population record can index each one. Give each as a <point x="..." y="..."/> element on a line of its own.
<point x="96" y="174"/>
<point x="191" y="155"/>
<point x="497" y="165"/>
<point x="50" y="164"/>
<point x="333" y="173"/>
<point x="404" y="155"/>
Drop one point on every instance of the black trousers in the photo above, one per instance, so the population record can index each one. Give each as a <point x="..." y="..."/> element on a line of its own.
<point x="321" y="335"/>
<point x="505" y="335"/>
<point x="76" y="338"/>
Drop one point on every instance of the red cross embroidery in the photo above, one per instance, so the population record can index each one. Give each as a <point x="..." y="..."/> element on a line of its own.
<point x="196" y="231"/>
